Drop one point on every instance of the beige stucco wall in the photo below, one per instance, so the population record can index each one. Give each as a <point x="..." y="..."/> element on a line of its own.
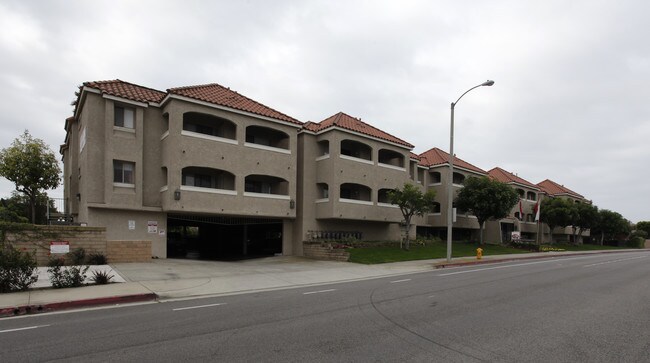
<point x="375" y="220"/>
<point x="240" y="159"/>
<point x="117" y="224"/>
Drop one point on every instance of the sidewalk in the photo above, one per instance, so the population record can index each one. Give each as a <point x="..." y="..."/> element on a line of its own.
<point x="173" y="279"/>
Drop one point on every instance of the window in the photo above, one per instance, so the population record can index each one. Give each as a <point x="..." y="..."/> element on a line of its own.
<point x="124" y="116"/>
<point x="123" y="172"/>
<point x="531" y="196"/>
<point x="458" y="178"/>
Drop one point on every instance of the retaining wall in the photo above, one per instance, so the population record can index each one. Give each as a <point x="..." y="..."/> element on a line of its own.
<point x="324" y="251"/>
<point x="91" y="239"/>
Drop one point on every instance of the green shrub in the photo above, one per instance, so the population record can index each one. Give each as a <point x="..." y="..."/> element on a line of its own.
<point x="62" y="276"/>
<point x="101" y="277"/>
<point x="97" y="258"/>
<point x="17" y="269"/>
<point x="77" y="256"/>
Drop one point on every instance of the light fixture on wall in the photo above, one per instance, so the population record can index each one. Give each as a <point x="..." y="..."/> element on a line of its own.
<point x="292" y="204"/>
<point x="177" y="194"/>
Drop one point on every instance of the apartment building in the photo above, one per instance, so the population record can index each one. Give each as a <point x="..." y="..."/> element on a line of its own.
<point x="436" y="174"/>
<point x="551" y="189"/>
<point x="203" y="171"/>
<point x="347" y="169"/>
<point x="522" y="215"/>
<point x="196" y="170"/>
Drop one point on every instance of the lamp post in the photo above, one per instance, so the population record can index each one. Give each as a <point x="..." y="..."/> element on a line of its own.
<point x="450" y="184"/>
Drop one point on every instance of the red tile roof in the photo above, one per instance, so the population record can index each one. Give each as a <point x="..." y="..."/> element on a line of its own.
<point x="508" y="177"/>
<point x="436" y="156"/>
<point x="552" y="188"/>
<point x="222" y="96"/>
<point x="127" y="90"/>
<point x="414" y="156"/>
<point x="348" y="122"/>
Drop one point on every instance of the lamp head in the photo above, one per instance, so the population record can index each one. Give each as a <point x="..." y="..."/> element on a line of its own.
<point x="487" y="83"/>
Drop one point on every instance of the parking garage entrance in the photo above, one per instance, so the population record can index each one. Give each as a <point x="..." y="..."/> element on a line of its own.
<point x="222" y="238"/>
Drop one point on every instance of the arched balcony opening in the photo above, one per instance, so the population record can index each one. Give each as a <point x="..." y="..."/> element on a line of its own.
<point x="209" y="125"/>
<point x="323" y="148"/>
<point x="382" y="196"/>
<point x="390" y="157"/>
<point x="434" y="177"/>
<point x="356" y="149"/>
<point x="266" y="136"/>
<point x="266" y="184"/>
<point x="323" y="191"/>
<point x="207" y="178"/>
<point x="355" y="192"/>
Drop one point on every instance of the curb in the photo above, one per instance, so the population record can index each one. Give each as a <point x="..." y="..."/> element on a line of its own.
<point x="49" y="307"/>
<point x="510" y="259"/>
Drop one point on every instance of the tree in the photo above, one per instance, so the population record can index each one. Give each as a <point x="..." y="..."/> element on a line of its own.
<point x="611" y="225"/>
<point x="411" y="201"/>
<point x="643" y="226"/>
<point x="557" y="212"/>
<point x="586" y="217"/>
<point x="486" y="199"/>
<point x="31" y="166"/>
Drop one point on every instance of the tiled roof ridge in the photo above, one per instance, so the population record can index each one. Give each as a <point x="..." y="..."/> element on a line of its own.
<point x="284" y="117"/>
<point x="117" y="80"/>
<point x="335" y="120"/>
<point x="512" y="177"/>
<point x="560" y="187"/>
<point x="444" y="157"/>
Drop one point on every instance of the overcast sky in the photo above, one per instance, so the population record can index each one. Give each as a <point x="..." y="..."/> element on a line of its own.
<point x="570" y="101"/>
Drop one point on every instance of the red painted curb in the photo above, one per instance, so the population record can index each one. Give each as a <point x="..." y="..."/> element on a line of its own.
<point x="33" y="309"/>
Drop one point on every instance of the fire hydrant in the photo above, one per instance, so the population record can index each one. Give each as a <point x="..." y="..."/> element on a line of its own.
<point x="479" y="253"/>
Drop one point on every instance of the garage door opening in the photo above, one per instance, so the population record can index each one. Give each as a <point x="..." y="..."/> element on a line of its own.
<point x="222" y="238"/>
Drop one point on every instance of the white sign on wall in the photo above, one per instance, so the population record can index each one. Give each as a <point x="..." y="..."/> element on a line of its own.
<point x="152" y="226"/>
<point x="59" y="247"/>
<point x="131" y="224"/>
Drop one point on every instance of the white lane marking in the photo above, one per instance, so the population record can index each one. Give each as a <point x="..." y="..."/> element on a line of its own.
<point x="612" y="261"/>
<point x="318" y="292"/>
<point x="25" y="328"/>
<point x="508" y="266"/>
<point x="198" y="307"/>
<point x="396" y="281"/>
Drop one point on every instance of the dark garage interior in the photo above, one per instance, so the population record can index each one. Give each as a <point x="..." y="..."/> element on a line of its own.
<point x="222" y="238"/>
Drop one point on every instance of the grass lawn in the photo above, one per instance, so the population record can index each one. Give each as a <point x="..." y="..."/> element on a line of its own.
<point x="372" y="255"/>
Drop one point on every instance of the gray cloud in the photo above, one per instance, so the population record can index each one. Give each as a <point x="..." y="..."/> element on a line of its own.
<point x="569" y="101"/>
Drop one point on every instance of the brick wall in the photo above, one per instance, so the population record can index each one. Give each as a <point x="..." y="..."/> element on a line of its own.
<point x="324" y="251"/>
<point x="91" y="239"/>
<point x="129" y="251"/>
<point x="38" y="238"/>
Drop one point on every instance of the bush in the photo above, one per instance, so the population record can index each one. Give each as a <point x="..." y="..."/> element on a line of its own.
<point x="17" y="269"/>
<point x="97" y="258"/>
<point x="78" y="256"/>
<point x="62" y="276"/>
<point x="101" y="277"/>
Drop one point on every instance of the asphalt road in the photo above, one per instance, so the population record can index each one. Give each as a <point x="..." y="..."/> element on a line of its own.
<point x="578" y="309"/>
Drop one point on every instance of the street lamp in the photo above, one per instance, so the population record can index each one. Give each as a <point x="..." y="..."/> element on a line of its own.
<point x="450" y="184"/>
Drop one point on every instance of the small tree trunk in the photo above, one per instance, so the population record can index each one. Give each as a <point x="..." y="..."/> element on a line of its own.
<point x="32" y="204"/>
<point x="481" y="233"/>
<point x="408" y="229"/>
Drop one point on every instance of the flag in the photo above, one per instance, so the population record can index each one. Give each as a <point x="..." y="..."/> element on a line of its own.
<point x="537" y="209"/>
<point x="521" y="211"/>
